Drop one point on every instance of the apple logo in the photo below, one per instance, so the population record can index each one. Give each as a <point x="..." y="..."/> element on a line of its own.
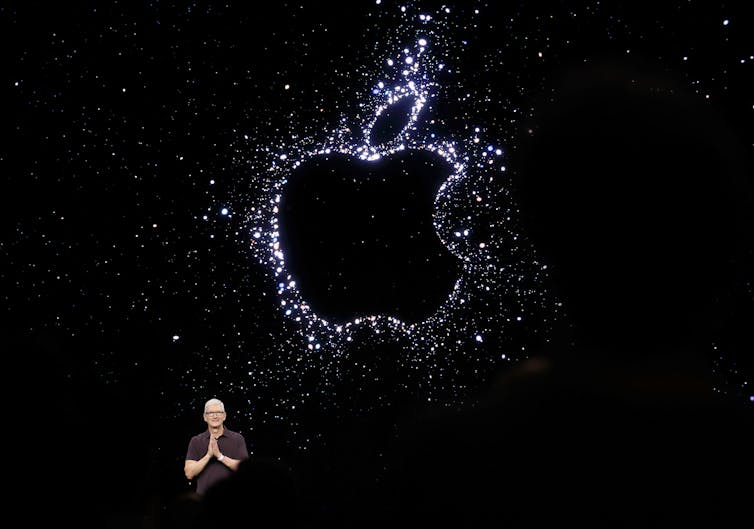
<point x="391" y="243"/>
<point x="385" y="230"/>
<point x="357" y="228"/>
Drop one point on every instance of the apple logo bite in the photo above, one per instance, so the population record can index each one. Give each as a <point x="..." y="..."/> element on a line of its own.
<point x="358" y="232"/>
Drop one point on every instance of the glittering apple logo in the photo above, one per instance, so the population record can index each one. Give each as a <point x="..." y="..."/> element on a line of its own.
<point x="382" y="229"/>
<point x="357" y="228"/>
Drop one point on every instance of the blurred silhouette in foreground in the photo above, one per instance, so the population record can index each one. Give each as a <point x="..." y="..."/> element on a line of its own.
<point x="633" y="194"/>
<point x="264" y="492"/>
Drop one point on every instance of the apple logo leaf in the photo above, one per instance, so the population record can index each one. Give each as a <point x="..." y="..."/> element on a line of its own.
<point x="393" y="121"/>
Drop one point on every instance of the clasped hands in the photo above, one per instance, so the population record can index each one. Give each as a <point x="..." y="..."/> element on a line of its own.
<point x="214" y="449"/>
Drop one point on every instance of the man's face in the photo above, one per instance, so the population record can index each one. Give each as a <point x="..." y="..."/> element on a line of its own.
<point x="214" y="416"/>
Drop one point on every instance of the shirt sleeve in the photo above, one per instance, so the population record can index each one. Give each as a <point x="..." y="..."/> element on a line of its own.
<point x="195" y="451"/>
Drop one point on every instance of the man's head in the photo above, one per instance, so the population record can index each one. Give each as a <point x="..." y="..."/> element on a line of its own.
<point x="214" y="412"/>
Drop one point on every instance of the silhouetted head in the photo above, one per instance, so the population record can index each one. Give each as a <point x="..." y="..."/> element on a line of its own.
<point x="263" y="492"/>
<point x="633" y="191"/>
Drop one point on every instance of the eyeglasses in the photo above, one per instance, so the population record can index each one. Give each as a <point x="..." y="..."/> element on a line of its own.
<point x="214" y="413"/>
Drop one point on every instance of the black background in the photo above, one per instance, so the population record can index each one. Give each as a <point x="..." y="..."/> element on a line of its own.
<point x="115" y="117"/>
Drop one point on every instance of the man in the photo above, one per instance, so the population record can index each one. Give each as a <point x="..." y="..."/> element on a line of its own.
<point x="214" y="454"/>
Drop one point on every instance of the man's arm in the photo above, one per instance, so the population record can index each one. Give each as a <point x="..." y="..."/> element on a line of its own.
<point x="192" y="468"/>
<point x="229" y="462"/>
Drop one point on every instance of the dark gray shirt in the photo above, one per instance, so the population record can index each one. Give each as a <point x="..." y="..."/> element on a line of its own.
<point x="232" y="444"/>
